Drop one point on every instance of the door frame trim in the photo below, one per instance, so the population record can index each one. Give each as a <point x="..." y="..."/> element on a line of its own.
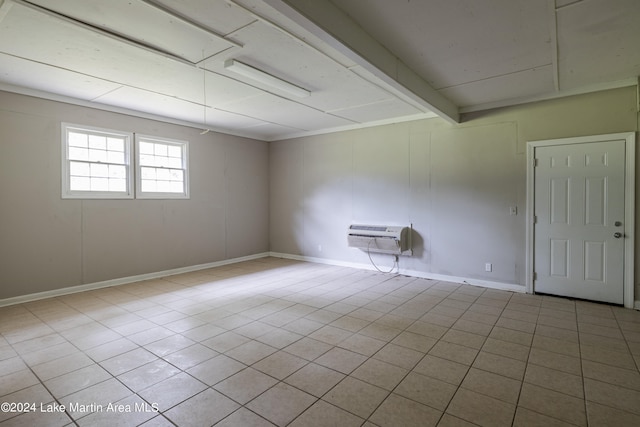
<point x="629" y="205"/>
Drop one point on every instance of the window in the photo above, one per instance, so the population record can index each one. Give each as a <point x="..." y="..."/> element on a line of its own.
<point x="95" y="163"/>
<point x="162" y="168"/>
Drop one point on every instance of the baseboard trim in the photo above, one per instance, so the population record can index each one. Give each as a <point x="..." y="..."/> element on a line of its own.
<point x="413" y="273"/>
<point x="125" y="280"/>
<point x="636" y="305"/>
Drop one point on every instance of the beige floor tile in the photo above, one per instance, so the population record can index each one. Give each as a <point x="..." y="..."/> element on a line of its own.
<point x="308" y="348"/>
<point x="380" y="331"/>
<point x="303" y="326"/>
<point x="556" y="361"/>
<point x="474" y="315"/>
<point x="348" y="323"/>
<point x="553" y="404"/>
<point x="555" y="380"/>
<point x="383" y="329"/>
<point x="473" y="327"/>
<point x="526" y="326"/>
<point x="95" y="397"/>
<point x="604" y="331"/>
<point x="216" y="369"/>
<point x="225" y="341"/>
<point x="428" y="329"/>
<point x="147" y="375"/>
<point x="355" y="396"/>
<point x="399" y="356"/>
<point x="606" y="343"/>
<point x="169" y="345"/>
<point x="111" y="349"/>
<point x="493" y="385"/>
<point x="379" y="373"/>
<point x="627" y="378"/>
<point x="330" y="335"/>
<point x="14" y="364"/>
<point x="415" y="341"/>
<point x="204" y="332"/>
<point x="507" y="349"/>
<point x="35" y="394"/>
<point x="448" y="420"/>
<point x="467" y="339"/>
<point x="527" y="318"/>
<point x="245" y="385"/>
<point x="480" y="409"/>
<point x="172" y="391"/>
<point x="362" y="344"/>
<point x="131" y="410"/>
<point x="399" y="411"/>
<point x="315" y="379"/>
<point x="251" y="352"/>
<point x="527" y="418"/>
<point x="454" y="352"/>
<point x="556" y="345"/>
<point x="15" y="381"/>
<point x="442" y="369"/>
<point x="61" y="366"/>
<point x="37" y="418"/>
<point x="76" y="380"/>
<point x="127" y="361"/>
<point x="500" y="365"/>
<point x="279" y="338"/>
<point x="205" y="408"/>
<point x="341" y="360"/>
<point x="280" y="365"/>
<point x="561" y="334"/>
<point x="426" y="390"/>
<point x="555" y="320"/>
<point x="49" y="353"/>
<point x="621" y="359"/>
<point x="605" y="416"/>
<point x="439" y="319"/>
<point x="612" y="395"/>
<point x="244" y="418"/>
<point x="281" y="404"/>
<point x="190" y="356"/>
<point x="511" y="335"/>
<point x="322" y="414"/>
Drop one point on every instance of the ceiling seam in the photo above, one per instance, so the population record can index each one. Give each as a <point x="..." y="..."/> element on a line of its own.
<point x="494" y="77"/>
<point x="307" y="44"/>
<point x="104" y="32"/>
<point x="553" y="27"/>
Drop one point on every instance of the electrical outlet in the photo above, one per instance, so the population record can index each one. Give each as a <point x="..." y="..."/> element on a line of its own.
<point x="488" y="267"/>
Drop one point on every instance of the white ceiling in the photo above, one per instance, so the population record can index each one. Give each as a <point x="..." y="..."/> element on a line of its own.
<point x="364" y="61"/>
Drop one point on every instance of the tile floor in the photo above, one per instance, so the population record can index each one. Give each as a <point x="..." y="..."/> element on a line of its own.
<point x="277" y="342"/>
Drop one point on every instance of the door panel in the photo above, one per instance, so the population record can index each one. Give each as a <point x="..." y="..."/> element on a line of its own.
<point x="578" y="197"/>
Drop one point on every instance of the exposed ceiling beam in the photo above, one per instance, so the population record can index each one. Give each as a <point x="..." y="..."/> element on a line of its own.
<point x="334" y="27"/>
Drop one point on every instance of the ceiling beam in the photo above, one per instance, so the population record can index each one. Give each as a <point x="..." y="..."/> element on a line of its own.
<point x="334" y="27"/>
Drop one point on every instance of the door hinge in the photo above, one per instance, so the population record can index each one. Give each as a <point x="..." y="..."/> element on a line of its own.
<point x="535" y="163"/>
<point x="535" y="276"/>
<point x="535" y="219"/>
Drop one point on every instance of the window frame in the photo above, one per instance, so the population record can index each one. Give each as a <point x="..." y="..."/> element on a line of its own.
<point x="184" y="146"/>
<point x="66" y="192"/>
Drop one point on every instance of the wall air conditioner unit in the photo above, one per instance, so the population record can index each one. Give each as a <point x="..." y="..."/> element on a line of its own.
<point x="386" y="239"/>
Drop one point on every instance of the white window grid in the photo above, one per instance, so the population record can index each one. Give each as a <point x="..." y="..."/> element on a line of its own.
<point x="162" y="168"/>
<point x="96" y="163"/>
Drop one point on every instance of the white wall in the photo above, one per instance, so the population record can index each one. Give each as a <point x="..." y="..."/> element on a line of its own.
<point x="48" y="243"/>
<point x="454" y="183"/>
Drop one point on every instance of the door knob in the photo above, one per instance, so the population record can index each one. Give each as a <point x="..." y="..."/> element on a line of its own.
<point x="617" y="235"/>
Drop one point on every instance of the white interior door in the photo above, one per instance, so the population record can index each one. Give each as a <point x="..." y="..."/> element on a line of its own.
<point x="579" y="208"/>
